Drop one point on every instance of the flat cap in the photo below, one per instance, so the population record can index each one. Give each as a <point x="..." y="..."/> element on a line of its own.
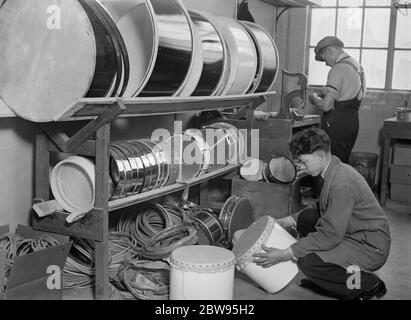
<point x="326" y="42"/>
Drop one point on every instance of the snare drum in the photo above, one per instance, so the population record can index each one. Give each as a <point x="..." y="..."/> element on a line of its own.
<point x="236" y="214"/>
<point x="280" y="169"/>
<point x="265" y="231"/>
<point x="210" y="230"/>
<point x="201" y="273"/>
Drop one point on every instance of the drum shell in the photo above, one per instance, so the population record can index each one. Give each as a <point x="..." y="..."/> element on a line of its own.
<point x="280" y="169"/>
<point x="210" y="228"/>
<point x="201" y="273"/>
<point x="276" y="277"/>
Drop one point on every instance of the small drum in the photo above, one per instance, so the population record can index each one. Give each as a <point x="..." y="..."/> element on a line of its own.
<point x="210" y="230"/>
<point x="236" y="214"/>
<point x="280" y="169"/>
<point x="253" y="170"/>
<point x="237" y="236"/>
<point x="201" y="273"/>
<point x="265" y="231"/>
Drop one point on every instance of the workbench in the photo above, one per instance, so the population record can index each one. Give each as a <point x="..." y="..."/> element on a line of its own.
<point x="392" y="129"/>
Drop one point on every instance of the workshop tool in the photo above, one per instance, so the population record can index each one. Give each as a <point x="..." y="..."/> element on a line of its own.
<point x="286" y="110"/>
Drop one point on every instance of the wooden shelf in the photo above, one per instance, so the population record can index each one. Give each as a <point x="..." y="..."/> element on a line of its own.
<point x="146" y="196"/>
<point x="89" y="108"/>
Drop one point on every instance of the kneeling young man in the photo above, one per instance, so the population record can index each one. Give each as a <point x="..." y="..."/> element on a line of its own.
<point x="349" y="232"/>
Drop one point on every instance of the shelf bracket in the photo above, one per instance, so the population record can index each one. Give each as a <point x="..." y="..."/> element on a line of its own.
<point x="70" y="144"/>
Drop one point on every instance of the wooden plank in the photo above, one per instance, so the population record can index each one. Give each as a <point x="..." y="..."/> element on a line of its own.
<point x="108" y="115"/>
<point x="42" y="160"/>
<point x="265" y="198"/>
<point x="146" y="196"/>
<point x="400" y="174"/>
<point x="87" y="149"/>
<point x="89" y="227"/>
<point x="385" y="167"/>
<point x="101" y="201"/>
<point x="161" y="105"/>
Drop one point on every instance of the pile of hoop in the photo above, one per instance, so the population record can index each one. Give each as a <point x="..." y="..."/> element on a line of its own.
<point x="123" y="48"/>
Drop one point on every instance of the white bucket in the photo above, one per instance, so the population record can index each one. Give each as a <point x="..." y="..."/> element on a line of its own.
<point x="72" y="184"/>
<point x="265" y="231"/>
<point x="202" y="273"/>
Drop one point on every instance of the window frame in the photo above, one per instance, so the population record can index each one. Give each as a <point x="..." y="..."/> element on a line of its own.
<point x="391" y="41"/>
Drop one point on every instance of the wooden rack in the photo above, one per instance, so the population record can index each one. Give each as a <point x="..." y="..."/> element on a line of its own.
<point x="100" y="113"/>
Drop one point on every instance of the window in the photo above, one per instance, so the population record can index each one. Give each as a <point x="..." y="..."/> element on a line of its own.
<point x="374" y="32"/>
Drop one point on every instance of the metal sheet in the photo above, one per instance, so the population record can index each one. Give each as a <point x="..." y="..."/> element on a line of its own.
<point x="213" y="53"/>
<point x="135" y="20"/>
<point x="243" y="56"/>
<point x="175" y="49"/>
<point x="267" y="56"/>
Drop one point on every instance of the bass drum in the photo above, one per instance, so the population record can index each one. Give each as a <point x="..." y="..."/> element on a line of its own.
<point x="236" y="214"/>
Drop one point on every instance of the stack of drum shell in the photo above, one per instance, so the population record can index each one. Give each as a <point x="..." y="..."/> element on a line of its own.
<point x="126" y="48"/>
<point x="138" y="166"/>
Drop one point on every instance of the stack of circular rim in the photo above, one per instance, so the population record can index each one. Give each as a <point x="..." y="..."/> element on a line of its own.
<point x="234" y="142"/>
<point x="137" y="166"/>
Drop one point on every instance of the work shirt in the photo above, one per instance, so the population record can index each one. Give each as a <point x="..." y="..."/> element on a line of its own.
<point x="352" y="229"/>
<point x="343" y="81"/>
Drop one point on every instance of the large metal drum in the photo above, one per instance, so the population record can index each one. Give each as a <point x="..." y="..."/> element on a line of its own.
<point x="178" y="66"/>
<point x="242" y="57"/>
<point x="53" y="54"/>
<point x="135" y="20"/>
<point x="268" y="58"/>
<point x="214" y="53"/>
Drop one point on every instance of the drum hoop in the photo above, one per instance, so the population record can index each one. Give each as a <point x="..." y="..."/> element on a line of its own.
<point x="141" y="169"/>
<point x="246" y="258"/>
<point x="269" y="174"/>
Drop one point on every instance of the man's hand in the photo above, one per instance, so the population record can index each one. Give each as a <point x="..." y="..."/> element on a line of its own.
<point x="271" y="257"/>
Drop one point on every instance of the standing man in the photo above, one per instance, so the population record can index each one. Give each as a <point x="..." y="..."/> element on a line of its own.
<point x="342" y="97"/>
<point x="343" y="242"/>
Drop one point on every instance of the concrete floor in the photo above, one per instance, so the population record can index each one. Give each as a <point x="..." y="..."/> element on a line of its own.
<point x="396" y="273"/>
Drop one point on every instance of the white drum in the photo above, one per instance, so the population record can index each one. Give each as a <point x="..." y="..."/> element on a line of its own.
<point x="265" y="231"/>
<point x="202" y="273"/>
<point x="72" y="184"/>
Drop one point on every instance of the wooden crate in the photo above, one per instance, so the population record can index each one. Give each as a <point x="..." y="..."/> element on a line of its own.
<point x="273" y="199"/>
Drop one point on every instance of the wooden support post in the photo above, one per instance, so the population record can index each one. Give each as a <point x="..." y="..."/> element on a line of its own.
<point x="42" y="161"/>
<point x="385" y="168"/>
<point x="250" y="126"/>
<point x="101" y="202"/>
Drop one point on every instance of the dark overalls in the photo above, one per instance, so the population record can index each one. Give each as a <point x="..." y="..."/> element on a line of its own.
<point x="341" y="123"/>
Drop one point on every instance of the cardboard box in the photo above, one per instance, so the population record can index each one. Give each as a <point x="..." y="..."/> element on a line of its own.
<point x="273" y="199"/>
<point x="28" y="278"/>
<point x="402" y="154"/>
